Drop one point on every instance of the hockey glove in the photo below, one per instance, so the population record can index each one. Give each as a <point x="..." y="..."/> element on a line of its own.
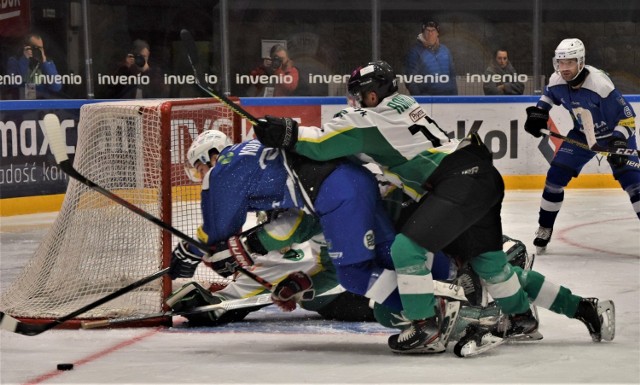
<point x="183" y="261"/>
<point x="536" y="120"/>
<point x="616" y="160"/>
<point x="277" y="132"/>
<point x="291" y="290"/>
<point x="228" y="256"/>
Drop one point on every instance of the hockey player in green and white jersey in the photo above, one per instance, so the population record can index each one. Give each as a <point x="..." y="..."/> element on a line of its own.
<point x="460" y="195"/>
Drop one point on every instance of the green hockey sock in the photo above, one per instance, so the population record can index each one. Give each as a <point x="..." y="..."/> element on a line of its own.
<point x="415" y="283"/>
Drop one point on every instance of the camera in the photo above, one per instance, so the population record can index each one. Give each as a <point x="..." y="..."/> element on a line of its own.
<point x="276" y="62"/>
<point x="138" y="60"/>
<point x="36" y="53"/>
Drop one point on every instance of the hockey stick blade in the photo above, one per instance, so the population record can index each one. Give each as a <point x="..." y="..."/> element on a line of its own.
<point x="192" y="55"/>
<point x="30" y="329"/>
<point x="56" y="138"/>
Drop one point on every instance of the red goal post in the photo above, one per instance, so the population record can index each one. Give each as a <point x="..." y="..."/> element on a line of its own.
<point x="137" y="150"/>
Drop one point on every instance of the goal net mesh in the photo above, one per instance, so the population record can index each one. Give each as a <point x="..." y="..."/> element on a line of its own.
<point x="137" y="150"/>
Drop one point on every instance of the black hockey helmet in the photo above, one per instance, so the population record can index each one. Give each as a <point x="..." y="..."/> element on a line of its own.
<point x="376" y="76"/>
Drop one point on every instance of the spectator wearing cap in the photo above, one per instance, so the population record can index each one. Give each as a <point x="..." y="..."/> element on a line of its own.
<point x="429" y="66"/>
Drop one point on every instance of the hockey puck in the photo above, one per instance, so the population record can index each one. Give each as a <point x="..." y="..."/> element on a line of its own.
<point x="65" y="366"/>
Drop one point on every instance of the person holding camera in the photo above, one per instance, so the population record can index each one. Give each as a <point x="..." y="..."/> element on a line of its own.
<point x="136" y="78"/>
<point x="34" y="70"/>
<point x="283" y="75"/>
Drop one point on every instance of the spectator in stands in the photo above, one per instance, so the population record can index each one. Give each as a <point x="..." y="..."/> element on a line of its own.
<point x="429" y="65"/>
<point x="502" y="76"/>
<point x="142" y="79"/>
<point x="34" y="71"/>
<point x="279" y="64"/>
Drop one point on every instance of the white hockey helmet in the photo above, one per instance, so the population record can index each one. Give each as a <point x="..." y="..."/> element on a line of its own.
<point x="204" y="143"/>
<point x="570" y="49"/>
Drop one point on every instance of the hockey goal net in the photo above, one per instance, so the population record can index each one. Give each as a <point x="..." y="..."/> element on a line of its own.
<point x="137" y="150"/>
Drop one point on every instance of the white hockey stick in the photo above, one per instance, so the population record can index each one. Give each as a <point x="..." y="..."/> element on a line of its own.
<point x="219" y="308"/>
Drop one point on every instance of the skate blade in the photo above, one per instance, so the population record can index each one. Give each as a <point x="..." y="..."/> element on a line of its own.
<point x="436" y="347"/>
<point x="470" y="348"/>
<point x="607" y="310"/>
<point x="533" y="336"/>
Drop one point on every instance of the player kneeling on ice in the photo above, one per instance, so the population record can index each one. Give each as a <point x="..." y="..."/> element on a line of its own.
<point x="459" y="194"/>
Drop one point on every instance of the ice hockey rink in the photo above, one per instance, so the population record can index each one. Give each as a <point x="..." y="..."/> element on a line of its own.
<point x="595" y="251"/>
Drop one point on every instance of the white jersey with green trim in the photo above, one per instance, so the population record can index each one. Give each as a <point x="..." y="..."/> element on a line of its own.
<point x="397" y="135"/>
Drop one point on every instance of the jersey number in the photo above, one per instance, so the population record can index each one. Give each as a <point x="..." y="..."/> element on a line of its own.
<point x="414" y="129"/>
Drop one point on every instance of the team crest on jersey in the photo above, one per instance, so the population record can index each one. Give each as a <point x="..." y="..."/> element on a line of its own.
<point x="417" y="114"/>
<point x="225" y="159"/>
<point x="369" y="240"/>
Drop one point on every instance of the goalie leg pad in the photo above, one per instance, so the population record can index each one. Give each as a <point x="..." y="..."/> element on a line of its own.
<point x="452" y="310"/>
<point x="192" y="295"/>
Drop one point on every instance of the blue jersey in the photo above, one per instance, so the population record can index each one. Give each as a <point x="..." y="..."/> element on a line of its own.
<point x="597" y="107"/>
<point x="247" y="177"/>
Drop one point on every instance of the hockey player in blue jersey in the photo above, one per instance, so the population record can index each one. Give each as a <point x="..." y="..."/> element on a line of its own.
<point x="602" y="118"/>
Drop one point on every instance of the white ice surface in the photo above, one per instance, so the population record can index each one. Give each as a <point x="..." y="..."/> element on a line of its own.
<point x="595" y="251"/>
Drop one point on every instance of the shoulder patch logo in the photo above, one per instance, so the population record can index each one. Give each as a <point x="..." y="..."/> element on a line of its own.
<point x="417" y="114"/>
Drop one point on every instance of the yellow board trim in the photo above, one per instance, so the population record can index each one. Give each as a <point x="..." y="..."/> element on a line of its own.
<point x="49" y="203"/>
<point x="30" y="205"/>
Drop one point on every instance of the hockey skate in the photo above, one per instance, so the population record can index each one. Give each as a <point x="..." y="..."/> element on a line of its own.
<point x="427" y="335"/>
<point x="476" y="340"/>
<point x="599" y="317"/>
<point x="543" y="236"/>
<point x="519" y="327"/>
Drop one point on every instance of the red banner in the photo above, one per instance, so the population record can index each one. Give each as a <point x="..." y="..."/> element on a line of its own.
<point x="15" y="17"/>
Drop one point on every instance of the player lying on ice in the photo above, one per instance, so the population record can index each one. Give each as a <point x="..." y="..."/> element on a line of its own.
<point x="459" y="194"/>
<point x="250" y="177"/>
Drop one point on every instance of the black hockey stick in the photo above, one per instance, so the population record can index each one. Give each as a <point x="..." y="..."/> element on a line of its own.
<point x="57" y="143"/>
<point x="603" y="152"/>
<point x="192" y="55"/>
<point x="32" y="329"/>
